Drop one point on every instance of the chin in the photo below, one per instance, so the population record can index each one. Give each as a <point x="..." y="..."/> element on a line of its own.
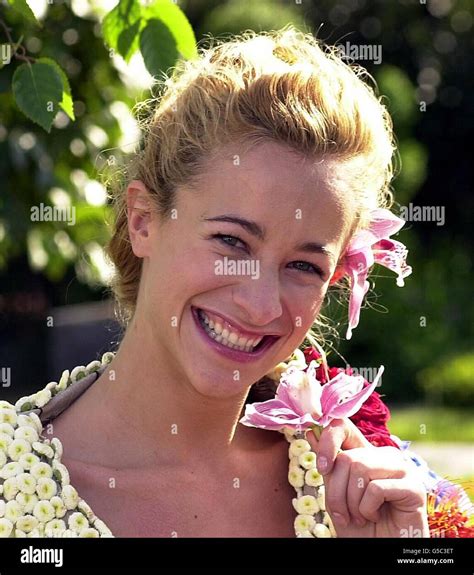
<point x="215" y="382"/>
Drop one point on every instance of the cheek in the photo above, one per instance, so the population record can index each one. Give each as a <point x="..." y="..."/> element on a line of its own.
<point x="186" y="269"/>
<point x="305" y="306"/>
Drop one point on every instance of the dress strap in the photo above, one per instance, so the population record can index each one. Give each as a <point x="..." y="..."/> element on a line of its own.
<point x="66" y="397"/>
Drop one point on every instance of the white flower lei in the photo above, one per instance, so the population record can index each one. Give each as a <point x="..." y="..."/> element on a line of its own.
<point x="312" y="519"/>
<point x="37" y="497"/>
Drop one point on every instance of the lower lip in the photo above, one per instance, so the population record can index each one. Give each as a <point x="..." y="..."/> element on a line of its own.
<point x="233" y="354"/>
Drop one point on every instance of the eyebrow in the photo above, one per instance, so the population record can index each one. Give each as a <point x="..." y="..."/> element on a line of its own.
<point x="259" y="232"/>
<point x="313" y="247"/>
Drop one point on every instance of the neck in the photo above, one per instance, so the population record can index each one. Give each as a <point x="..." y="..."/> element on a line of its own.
<point x="147" y="401"/>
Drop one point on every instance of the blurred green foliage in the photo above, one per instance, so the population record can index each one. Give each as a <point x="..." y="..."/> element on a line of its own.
<point x="451" y="380"/>
<point x="430" y="424"/>
<point x="235" y="16"/>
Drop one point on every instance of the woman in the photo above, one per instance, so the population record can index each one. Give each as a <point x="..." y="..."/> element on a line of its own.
<point x="260" y="163"/>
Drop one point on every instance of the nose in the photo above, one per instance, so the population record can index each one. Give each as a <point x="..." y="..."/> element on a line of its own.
<point x="259" y="298"/>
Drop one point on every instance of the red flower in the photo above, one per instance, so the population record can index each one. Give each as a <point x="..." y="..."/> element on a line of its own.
<point x="377" y="435"/>
<point x="373" y="415"/>
<point x="449" y="511"/>
<point x="373" y="410"/>
<point x="372" y="419"/>
<point x="310" y="353"/>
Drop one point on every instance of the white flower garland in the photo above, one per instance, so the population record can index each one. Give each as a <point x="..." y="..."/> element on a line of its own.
<point x="312" y="519"/>
<point x="37" y="497"/>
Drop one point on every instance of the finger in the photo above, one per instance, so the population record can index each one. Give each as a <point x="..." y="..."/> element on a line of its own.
<point x="398" y="490"/>
<point x="339" y="433"/>
<point x="336" y="490"/>
<point x="384" y="463"/>
<point x="356" y="486"/>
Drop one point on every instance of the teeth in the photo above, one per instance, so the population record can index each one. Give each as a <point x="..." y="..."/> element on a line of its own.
<point x="231" y="339"/>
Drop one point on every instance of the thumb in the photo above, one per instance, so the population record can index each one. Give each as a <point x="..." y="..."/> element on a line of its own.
<point x="338" y="434"/>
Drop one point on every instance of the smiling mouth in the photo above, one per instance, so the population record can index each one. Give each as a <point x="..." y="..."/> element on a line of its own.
<point x="232" y="338"/>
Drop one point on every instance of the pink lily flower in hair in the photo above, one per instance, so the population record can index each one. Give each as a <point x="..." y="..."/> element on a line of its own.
<point x="301" y="402"/>
<point x="367" y="247"/>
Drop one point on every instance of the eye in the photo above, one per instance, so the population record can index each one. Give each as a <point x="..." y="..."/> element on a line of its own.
<point x="308" y="268"/>
<point x="230" y="241"/>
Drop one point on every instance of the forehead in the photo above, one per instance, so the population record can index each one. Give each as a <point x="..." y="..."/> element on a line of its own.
<point x="279" y="189"/>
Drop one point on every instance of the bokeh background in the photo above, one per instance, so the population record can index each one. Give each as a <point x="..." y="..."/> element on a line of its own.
<point x="54" y="310"/>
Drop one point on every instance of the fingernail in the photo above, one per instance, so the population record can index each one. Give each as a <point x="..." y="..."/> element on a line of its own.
<point x="340" y="519"/>
<point x="322" y="464"/>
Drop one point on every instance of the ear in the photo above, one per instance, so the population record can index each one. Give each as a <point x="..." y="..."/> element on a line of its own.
<point x="139" y="214"/>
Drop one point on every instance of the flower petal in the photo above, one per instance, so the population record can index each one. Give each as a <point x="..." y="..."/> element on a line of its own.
<point x="383" y="224"/>
<point x="360" y="286"/>
<point x="274" y="415"/>
<point x="344" y="395"/>
<point x="392" y="255"/>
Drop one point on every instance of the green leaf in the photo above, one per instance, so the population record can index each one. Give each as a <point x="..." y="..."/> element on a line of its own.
<point x="158" y="47"/>
<point x="38" y="90"/>
<point x="121" y="28"/>
<point x="22" y="7"/>
<point x="66" y="103"/>
<point x="130" y="26"/>
<point x="175" y="20"/>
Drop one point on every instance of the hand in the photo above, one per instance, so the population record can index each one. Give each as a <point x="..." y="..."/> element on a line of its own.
<point x="372" y="485"/>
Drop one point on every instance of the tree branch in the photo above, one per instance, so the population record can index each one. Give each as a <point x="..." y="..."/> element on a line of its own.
<point x="19" y="51"/>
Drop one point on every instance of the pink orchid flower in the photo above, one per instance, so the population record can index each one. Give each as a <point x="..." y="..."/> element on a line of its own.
<point x="371" y="246"/>
<point x="301" y="402"/>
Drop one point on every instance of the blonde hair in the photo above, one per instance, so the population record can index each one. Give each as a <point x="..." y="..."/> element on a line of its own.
<point x="284" y="86"/>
